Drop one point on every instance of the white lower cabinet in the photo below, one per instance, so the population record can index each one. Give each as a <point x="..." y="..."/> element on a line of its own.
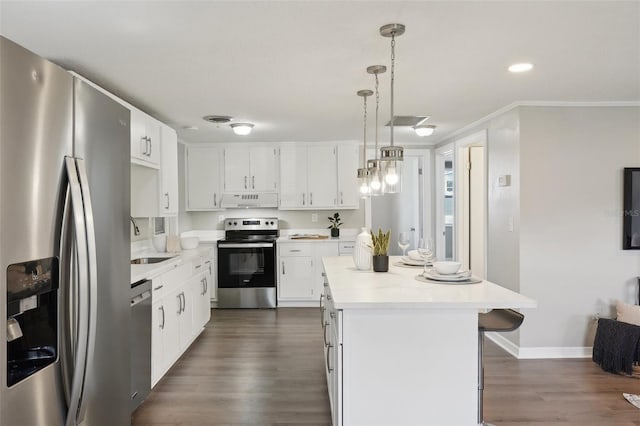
<point x="181" y="308"/>
<point x="300" y="271"/>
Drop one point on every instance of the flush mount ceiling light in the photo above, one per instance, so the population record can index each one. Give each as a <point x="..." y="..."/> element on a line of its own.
<point x="425" y="129"/>
<point x="391" y="156"/>
<point x="241" y="129"/>
<point x="521" y="67"/>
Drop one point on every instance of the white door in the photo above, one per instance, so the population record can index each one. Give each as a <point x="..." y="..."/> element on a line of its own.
<point x="202" y="178"/>
<point x="169" y="171"/>
<point x="295" y="280"/>
<point x="171" y="330"/>
<point x="293" y="177"/>
<point x="264" y="170"/>
<point x="237" y="175"/>
<point x="348" y="192"/>
<point x="158" y="320"/>
<point x="322" y="179"/>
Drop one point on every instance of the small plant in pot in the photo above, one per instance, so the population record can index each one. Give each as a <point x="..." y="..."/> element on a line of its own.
<point x="380" y="248"/>
<point x="335" y="223"/>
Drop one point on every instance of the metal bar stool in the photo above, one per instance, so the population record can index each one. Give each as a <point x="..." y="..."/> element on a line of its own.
<point x="495" y="320"/>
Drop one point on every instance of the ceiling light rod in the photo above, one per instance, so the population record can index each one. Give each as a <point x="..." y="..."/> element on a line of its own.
<point x="392" y="156"/>
<point x="363" y="172"/>
<point x="376" y="180"/>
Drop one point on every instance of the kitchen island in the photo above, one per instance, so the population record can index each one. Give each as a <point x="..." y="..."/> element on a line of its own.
<point x="403" y="352"/>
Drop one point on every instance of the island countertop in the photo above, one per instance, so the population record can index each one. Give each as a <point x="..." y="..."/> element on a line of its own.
<point x="398" y="289"/>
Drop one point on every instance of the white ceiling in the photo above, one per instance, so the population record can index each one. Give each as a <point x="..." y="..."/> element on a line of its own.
<point x="293" y="67"/>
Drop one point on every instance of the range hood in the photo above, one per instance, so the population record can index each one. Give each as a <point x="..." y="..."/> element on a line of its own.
<point x="249" y="200"/>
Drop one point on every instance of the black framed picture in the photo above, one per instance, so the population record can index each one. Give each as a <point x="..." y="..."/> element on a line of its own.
<point x="631" y="209"/>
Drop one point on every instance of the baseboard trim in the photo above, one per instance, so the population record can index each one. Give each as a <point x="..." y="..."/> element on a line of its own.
<point x="543" y="352"/>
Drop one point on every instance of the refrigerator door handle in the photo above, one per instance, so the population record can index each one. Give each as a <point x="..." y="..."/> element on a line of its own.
<point x="93" y="277"/>
<point x="69" y="306"/>
<point x="82" y="255"/>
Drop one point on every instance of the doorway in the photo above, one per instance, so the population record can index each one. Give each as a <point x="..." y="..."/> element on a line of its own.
<point x="471" y="202"/>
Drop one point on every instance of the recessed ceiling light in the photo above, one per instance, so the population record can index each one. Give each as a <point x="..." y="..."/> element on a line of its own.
<point x="522" y="67"/>
<point x="241" y="129"/>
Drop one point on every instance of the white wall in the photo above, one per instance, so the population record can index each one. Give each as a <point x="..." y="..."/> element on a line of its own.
<point x="572" y="260"/>
<point x="565" y="198"/>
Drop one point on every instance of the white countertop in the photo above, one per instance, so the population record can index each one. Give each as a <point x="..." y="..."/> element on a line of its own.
<point x="398" y="289"/>
<point x="145" y="272"/>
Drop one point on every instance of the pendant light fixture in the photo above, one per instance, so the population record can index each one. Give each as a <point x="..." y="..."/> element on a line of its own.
<point x="391" y="156"/>
<point x="363" y="172"/>
<point x="376" y="177"/>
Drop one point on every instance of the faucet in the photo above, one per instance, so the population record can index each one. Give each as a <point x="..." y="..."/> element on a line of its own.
<point x="136" y="230"/>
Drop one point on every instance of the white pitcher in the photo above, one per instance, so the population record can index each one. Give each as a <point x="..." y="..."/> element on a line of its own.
<point x="362" y="251"/>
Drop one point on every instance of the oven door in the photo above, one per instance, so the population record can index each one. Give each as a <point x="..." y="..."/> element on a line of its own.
<point x="246" y="265"/>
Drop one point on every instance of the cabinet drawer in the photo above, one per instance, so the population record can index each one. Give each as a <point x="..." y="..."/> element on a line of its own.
<point x="176" y="276"/>
<point x="297" y="249"/>
<point x="346" y="247"/>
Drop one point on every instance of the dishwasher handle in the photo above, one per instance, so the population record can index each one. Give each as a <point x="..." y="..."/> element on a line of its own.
<point x="141" y="298"/>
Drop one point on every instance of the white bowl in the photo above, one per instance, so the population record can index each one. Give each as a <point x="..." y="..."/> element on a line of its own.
<point x="189" y="243"/>
<point x="447" y="267"/>
<point x="160" y="243"/>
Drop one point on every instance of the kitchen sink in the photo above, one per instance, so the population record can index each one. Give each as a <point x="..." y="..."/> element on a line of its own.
<point x="149" y="260"/>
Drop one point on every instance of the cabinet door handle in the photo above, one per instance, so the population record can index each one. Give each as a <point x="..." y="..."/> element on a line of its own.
<point x="179" y="297"/>
<point x="341" y="198"/>
<point x="184" y="303"/>
<point x="303" y="196"/>
<point x="329" y="369"/>
<point x="150" y="146"/>
<point x="215" y="200"/>
<point x="161" y="308"/>
<point x="324" y="332"/>
<point x="148" y="150"/>
<point x="283" y="268"/>
<point x="143" y="140"/>
<point x="203" y="290"/>
<point x="321" y="311"/>
<point x="206" y="285"/>
<point x="294" y="251"/>
<point x="158" y="288"/>
<point x="166" y="194"/>
<point x="245" y="182"/>
<point x="253" y="182"/>
<point x="311" y="198"/>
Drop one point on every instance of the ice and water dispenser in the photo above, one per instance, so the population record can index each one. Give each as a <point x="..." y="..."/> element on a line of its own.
<point x="32" y="317"/>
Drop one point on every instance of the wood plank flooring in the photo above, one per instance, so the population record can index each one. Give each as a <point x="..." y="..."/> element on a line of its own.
<point x="265" y="367"/>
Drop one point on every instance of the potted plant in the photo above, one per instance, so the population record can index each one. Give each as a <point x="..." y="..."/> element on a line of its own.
<point x="335" y="223"/>
<point x="380" y="248"/>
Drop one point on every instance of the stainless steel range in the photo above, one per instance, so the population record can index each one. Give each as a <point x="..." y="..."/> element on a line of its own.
<point x="247" y="263"/>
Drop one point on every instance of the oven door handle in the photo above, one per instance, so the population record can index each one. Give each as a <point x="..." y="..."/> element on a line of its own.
<point x="246" y="245"/>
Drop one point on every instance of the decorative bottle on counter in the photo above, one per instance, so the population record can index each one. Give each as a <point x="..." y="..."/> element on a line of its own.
<point x="362" y="250"/>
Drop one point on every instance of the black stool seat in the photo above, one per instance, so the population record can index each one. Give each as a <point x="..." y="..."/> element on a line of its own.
<point x="500" y="320"/>
<point x="495" y="320"/>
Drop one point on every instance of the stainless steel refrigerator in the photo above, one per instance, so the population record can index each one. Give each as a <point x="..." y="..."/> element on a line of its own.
<point x="64" y="248"/>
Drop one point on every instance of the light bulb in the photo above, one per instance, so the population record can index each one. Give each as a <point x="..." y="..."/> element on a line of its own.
<point x="375" y="183"/>
<point x="391" y="177"/>
<point x="364" y="188"/>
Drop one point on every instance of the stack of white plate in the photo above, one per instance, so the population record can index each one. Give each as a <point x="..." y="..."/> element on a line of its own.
<point x="413" y="258"/>
<point x="432" y="274"/>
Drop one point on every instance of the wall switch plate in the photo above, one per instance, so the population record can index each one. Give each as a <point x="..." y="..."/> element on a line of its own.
<point x="220" y="218"/>
<point x="504" y="180"/>
<point x="314" y="217"/>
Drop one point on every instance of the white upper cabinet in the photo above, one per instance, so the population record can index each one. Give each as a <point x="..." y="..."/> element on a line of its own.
<point x="308" y="177"/>
<point x="145" y="139"/>
<point x="321" y="177"/>
<point x="348" y="192"/>
<point x="168" y="201"/>
<point x="250" y="169"/>
<point x="203" y="177"/>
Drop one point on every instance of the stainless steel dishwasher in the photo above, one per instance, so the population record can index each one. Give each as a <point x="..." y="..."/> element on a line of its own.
<point x="140" y="333"/>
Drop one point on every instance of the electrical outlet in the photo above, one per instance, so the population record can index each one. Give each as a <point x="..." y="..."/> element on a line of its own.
<point x="314" y="217"/>
<point x="220" y="218"/>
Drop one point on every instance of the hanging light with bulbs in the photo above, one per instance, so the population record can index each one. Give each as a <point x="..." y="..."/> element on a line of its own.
<point x="391" y="156"/>
<point x="363" y="172"/>
<point x="374" y="166"/>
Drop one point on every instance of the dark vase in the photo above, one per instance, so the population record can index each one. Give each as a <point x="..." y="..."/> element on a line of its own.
<point x="335" y="232"/>
<point x="380" y="263"/>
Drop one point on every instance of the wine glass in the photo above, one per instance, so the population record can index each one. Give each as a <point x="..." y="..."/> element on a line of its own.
<point x="425" y="249"/>
<point x="403" y="242"/>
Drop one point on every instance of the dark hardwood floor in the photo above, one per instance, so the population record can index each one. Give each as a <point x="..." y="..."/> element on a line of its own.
<point x="265" y="367"/>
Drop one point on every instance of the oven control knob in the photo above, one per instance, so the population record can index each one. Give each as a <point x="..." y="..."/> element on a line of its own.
<point x="271" y="223"/>
<point x="235" y="223"/>
<point x="229" y="223"/>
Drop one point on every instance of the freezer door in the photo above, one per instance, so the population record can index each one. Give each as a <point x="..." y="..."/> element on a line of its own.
<point x="35" y="136"/>
<point x="101" y="139"/>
